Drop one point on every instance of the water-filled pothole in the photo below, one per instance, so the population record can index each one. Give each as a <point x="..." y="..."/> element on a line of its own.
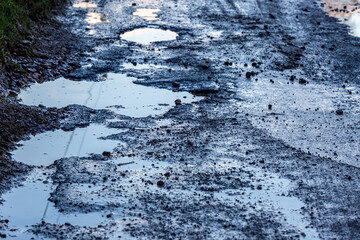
<point x="118" y="93"/>
<point x="149" y="35"/>
<point x="28" y="205"/>
<point x="147" y="14"/>
<point x="84" y="4"/>
<point x="45" y="148"/>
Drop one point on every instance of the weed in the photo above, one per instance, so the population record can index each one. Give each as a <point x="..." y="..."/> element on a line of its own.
<point x="16" y="18"/>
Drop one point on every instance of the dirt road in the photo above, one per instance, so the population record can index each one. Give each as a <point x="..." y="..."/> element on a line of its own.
<point x="198" y="120"/>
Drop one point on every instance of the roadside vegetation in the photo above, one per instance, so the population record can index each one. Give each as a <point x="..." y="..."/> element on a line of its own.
<point x="16" y="19"/>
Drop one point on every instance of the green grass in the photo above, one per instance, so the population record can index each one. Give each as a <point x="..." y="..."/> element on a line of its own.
<point x="16" y="17"/>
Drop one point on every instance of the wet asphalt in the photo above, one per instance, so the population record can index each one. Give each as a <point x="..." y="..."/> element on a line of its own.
<point x="264" y="146"/>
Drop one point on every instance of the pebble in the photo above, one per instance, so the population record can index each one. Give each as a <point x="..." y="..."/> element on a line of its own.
<point x="160" y="184"/>
<point x="339" y="112"/>
<point x="176" y="85"/>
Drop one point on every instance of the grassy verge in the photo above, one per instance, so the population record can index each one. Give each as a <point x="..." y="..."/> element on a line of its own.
<point x="16" y="18"/>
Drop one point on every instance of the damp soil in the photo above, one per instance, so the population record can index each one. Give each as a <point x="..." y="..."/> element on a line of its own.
<point x="244" y="124"/>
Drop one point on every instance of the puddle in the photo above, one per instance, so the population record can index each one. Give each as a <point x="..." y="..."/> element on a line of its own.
<point x="94" y="18"/>
<point x="149" y="35"/>
<point x="147" y="14"/>
<point x="347" y="11"/>
<point x="84" y="4"/>
<point x="45" y="148"/>
<point x="118" y="93"/>
<point x="28" y="205"/>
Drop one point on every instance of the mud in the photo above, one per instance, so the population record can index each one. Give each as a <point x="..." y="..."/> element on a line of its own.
<point x="268" y="151"/>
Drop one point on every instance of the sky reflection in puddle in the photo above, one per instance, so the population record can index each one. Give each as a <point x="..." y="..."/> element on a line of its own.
<point x="84" y="4"/>
<point x="147" y="14"/>
<point x="347" y="11"/>
<point x="149" y="35"/>
<point x="28" y="205"/>
<point x="118" y="93"/>
<point x="94" y="18"/>
<point x="45" y="148"/>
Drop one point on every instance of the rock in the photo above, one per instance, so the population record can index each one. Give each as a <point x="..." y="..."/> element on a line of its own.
<point x="160" y="184"/>
<point x="177" y="102"/>
<point x="250" y="74"/>
<point x="302" y="81"/>
<point x="25" y="42"/>
<point x="32" y="70"/>
<point x="339" y="112"/>
<point x="176" y="85"/>
<point x="75" y="64"/>
<point x="106" y="154"/>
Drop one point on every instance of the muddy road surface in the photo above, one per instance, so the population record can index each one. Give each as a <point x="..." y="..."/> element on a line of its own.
<point x="226" y="119"/>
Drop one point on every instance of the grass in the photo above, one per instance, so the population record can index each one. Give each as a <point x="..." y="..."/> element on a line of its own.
<point x="16" y="18"/>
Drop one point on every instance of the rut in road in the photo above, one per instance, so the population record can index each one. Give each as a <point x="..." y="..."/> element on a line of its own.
<point x="244" y="139"/>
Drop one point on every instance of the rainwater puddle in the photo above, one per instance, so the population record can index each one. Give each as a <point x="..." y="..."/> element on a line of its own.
<point x="44" y="149"/>
<point x="94" y="18"/>
<point x="28" y="205"/>
<point x="347" y="11"/>
<point x="84" y="4"/>
<point x="147" y="14"/>
<point x="118" y="93"/>
<point x="149" y="35"/>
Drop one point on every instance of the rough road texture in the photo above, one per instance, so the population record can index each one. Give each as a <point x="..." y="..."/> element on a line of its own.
<point x="272" y="152"/>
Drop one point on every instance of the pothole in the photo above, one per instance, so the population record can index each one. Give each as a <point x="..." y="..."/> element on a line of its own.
<point x="84" y="4"/>
<point x="43" y="149"/>
<point x="148" y="35"/>
<point x="147" y="14"/>
<point x="117" y="93"/>
<point x="28" y="205"/>
<point x="95" y="18"/>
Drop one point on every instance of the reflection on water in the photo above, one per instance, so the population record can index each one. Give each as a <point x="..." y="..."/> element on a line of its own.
<point x="28" y="205"/>
<point x="347" y="11"/>
<point x="94" y="18"/>
<point x="117" y="93"/>
<point x="84" y="4"/>
<point x="149" y="35"/>
<point x="147" y="14"/>
<point x="45" y="148"/>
